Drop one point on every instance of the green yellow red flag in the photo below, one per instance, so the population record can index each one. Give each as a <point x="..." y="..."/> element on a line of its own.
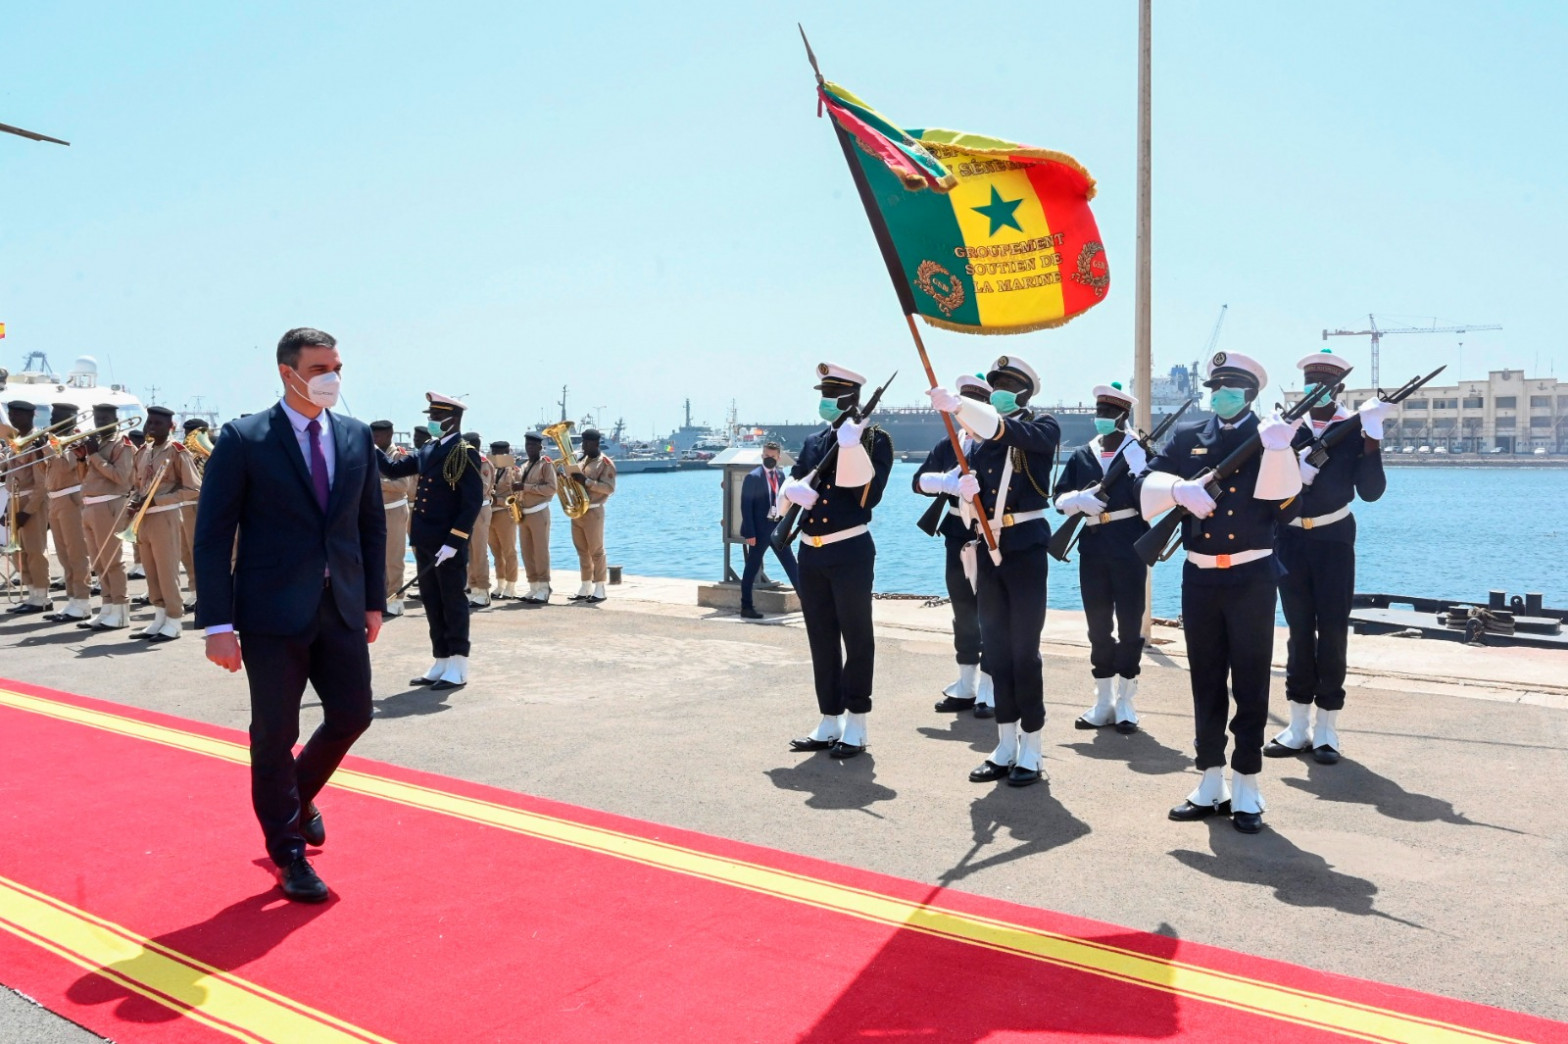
<point x="980" y="235"/>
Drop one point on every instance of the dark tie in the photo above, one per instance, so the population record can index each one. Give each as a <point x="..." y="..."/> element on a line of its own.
<point x="318" y="464"/>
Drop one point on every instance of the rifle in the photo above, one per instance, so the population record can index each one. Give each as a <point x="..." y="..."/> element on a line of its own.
<point x="1065" y="536"/>
<point x="788" y="527"/>
<point x="1156" y="545"/>
<point x="1318" y="455"/>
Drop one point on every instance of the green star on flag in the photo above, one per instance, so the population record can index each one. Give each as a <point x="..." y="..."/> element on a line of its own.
<point x="1000" y="212"/>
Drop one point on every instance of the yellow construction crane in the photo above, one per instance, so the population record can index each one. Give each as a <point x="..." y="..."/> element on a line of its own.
<point x="1377" y="333"/>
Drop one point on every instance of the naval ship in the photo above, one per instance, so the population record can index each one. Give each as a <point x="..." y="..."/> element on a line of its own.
<point x="38" y="383"/>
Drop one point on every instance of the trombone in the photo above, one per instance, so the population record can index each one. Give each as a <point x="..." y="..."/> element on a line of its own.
<point x="129" y="535"/>
<point x="20" y="442"/>
<point x="103" y="431"/>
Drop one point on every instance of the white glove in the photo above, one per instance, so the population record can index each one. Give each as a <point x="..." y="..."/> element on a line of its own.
<point x="799" y="491"/>
<point x="1308" y="473"/>
<point x="1086" y="503"/>
<point x="968" y="486"/>
<point x="943" y="400"/>
<point x="1276" y="432"/>
<point x="849" y="432"/>
<point x="1372" y="413"/>
<point x="1193" y="495"/>
<point x="447" y="551"/>
<point x="941" y="482"/>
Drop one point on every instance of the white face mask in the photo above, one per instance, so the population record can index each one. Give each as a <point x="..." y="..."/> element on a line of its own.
<point x="323" y="388"/>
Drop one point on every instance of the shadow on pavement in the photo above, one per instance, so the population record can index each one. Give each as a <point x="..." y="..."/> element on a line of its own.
<point x="1142" y="752"/>
<point x="833" y="783"/>
<point x="1030" y="816"/>
<point x="1353" y="782"/>
<point x="418" y="700"/>
<point x="964" y="727"/>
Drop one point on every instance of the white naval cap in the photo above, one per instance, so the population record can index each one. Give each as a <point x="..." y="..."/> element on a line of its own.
<point x="972" y="380"/>
<point x="1113" y="393"/>
<point x="832" y="373"/>
<point x="1018" y="368"/>
<point x="1325" y="360"/>
<point x="1234" y="364"/>
<point x="438" y="401"/>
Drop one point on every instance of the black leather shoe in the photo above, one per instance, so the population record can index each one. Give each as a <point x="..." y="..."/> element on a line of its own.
<point x="844" y="750"/>
<point x="989" y="772"/>
<point x="1018" y="776"/>
<point x="1082" y="723"/>
<point x="952" y="704"/>
<point x="421" y="680"/>
<point x="1126" y="728"/>
<point x="141" y="636"/>
<point x="300" y="883"/>
<point x="984" y="710"/>
<point x="159" y="638"/>
<point x="1325" y="755"/>
<point x="806" y="745"/>
<point x="87" y="625"/>
<point x="311" y="828"/>
<point x="1276" y="749"/>
<point x="446" y="686"/>
<point x="1247" y="822"/>
<point x="1187" y="812"/>
<point x="28" y="610"/>
<point x="749" y="613"/>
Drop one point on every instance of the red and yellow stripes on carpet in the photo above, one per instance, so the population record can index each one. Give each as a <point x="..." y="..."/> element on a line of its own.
<point x="461" y="912"/>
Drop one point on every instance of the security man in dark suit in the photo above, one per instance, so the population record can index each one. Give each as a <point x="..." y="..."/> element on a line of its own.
<point x="1318" y="553"/>
<point x="1230" y="579"/>
<point x="939" y="477"/>
<point x="1011" y="484"/>
<point x="1112" y="578"/>
<point x="446" y="503"/>
<point x="759" y="512"/>
<point x="838" y="559"/>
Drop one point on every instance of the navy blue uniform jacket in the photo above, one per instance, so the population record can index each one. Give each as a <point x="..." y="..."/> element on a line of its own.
<point x="1350" y="471"/>
<point x="257" y="484"/>
<point x="442" y="514"/>
<point x="756" y="503"/>
<point x="839" y="507"/>
<point x="1111" y="539"/>
<point x="1032" y="440"/>
<point x="941" y="460"/>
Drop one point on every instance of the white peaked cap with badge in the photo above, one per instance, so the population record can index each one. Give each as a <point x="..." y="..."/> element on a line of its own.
<point x="1234" y="364"/>
<point x="1018" y="368"/>
<point x="1114" y="393"/>
<point x="834" y="372"/>
<point x="1325" y="360"/>
<point x="971" y="380"/>
<point x="437" y="399"/>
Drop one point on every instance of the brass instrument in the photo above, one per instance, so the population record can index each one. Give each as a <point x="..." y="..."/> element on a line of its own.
<point x="13" y="542"/>
<point x="515" y="508"/>
<point x="199" y="443"/>
<point x="103" y="431"/>
<point x="129" y="535"/>
<point x="20" y="442"/>
<point x="574" y="499"/>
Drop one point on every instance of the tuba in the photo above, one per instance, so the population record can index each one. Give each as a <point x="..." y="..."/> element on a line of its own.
<point x="574" y="500"/>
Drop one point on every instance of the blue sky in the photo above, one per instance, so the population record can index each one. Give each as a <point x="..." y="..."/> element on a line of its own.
<point x="497" y="199"/>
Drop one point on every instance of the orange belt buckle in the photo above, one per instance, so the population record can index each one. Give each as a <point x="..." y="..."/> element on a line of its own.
<point x="1222" y="562"/>
<point x="1105" y="516"/>
<point x="1306" y="523"/>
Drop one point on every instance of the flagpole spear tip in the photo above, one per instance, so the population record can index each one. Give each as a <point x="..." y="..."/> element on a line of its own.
<point x="810" y="55"/>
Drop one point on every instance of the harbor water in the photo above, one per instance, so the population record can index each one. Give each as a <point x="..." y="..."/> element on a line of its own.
<point x="1452" y="532"/>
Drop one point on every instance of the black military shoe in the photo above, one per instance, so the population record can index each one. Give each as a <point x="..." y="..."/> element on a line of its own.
<point x="1276" y="749"/>
<point x="952" y="704"/>
<point x="27" y="610"/>
<point x="1126" y="728"/>
<point x="300" y="883"/>
<point x="984" y="710"/>
<point x="806" y="745"/>
<point x="1325" y="755"/>
<point x="1019" y="776"/>
<point x="311" y="827"/>
<point x="989" y="772"/>
<point x="1081" y="722"/>
<point x="421" y="680"/>
<point x="748" y="613"/>
<point x="1247" y="822"/>
<point x="1187" y="812"/>
<point x="845" y="750"/>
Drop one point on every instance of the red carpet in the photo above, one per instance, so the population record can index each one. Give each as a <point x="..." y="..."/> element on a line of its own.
<point x="129" y="903"/>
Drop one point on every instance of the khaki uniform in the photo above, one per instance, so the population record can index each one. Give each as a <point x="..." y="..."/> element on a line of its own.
<point x="533" y="535"/>
<point x="63" y="479"/>
<point x="479" y="539"/>
<point x="162" y="526"/>
<point x="503" y="531"/>
<point x="188" y="530"/>
<point x="588" y="531"/>
<point x="27" y="489"/>
<point x="105" y="488"/>
<point x="394" y="499"/>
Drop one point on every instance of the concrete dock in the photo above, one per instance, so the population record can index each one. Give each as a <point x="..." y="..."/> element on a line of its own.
<point x="1432" y="857"/>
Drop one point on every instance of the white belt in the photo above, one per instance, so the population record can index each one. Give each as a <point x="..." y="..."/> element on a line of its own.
<point x="1203" y="561"/>
<point x="1109" y="516"/>
<point x="1312" y="523"/>
<point x="165" y="507"/>
<point x="395" y="504"/>
<point x="542" y="506"/>
<point x="596" y="507"/>
<point x="1016" y="517"/>
<point x="57" y="494"/>
<point x="832" y="538"/>
<point x="103" y="499"/>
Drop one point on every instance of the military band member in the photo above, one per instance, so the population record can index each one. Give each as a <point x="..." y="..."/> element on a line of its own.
<point x="1010" y="483"/>
<point x="938" y="477"/>
<point x="446" y="502"/>
<point x="25" y="480"/>
<point x="1111" y="577"/>
<point x="1318" y="553"/>
<point x="837" y="560"/>
<point x="63" y="480"/>
<point x="503" y="528"/>
<point x="479" y="544"/>
<point x="138" y="439"/>
<point x="159" y="536"/>
<point x="535" y="489"/>
<point x="1229" y="580"/>
<point x="394" y="501"/>
<point x="106" y="491"/>
<point x="596" y="474"/>
<point x="188" y="514"/>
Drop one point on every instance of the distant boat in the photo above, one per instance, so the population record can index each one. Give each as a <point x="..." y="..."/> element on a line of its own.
<point x="39" y="384"/>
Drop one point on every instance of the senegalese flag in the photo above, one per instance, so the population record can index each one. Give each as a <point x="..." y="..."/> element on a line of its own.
<point x="980" y="235"/>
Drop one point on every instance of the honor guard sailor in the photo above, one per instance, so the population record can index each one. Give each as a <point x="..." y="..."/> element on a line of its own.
<point x="394" y="501"/>
<point x="25" y="482"/>
<point x="1318" y="553"/>
<point x="503" y="520"/>
<point x="1010" y="482"/>
<point x="1112" y="579"/>
<point x="106" y="490"/>
<point x="63" y="479"/>
<point x="939" y="477"/>
<point x="837" y="559"/>
<point x="447" y="499"/>
<point x="535" y="488"/>
<point x="1229" y="580"/>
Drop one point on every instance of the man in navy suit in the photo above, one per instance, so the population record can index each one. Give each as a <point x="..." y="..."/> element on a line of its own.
<point x="759" y="495"/>
<point x="303" y="597"/>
